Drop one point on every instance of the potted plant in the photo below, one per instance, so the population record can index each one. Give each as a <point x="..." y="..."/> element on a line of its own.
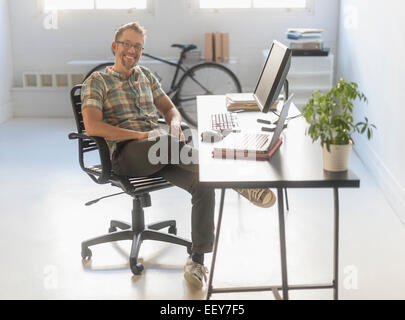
<point x="330" y="118"/>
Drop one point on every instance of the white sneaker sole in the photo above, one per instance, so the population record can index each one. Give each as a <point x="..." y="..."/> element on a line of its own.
<point x="193" y="280"/>
<point x="270" y="203"/>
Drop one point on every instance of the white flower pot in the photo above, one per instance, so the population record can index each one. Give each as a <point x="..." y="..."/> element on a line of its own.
<point x="338" y="157"/>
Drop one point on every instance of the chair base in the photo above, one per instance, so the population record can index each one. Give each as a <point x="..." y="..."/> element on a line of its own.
<point x="138" y="233"/>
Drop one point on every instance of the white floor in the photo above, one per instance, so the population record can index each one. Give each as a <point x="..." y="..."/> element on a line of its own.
<point x="44" y="220"/>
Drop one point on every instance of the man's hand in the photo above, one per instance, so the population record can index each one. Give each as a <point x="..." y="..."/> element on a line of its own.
<point x="175" y="131"/>
<point x="172" y="116"/>
<point x="153" y="134"/>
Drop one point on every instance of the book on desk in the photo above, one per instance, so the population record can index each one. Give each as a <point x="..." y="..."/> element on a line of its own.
<point x="244" y="102"/>
<point x="241" y="101"/>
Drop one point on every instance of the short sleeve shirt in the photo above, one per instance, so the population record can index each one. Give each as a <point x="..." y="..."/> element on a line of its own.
<point x="125" y="102"/>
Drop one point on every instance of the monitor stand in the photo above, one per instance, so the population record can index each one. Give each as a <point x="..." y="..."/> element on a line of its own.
<point x="286" y="94"/>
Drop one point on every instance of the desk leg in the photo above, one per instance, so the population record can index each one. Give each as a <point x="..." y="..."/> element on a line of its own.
<point x="214" y="253"/>
<point x="336" y="245"/>
<point x="283" y="252"/>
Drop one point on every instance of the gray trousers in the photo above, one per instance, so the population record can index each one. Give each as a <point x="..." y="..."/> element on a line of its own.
<point x="170" y="158"/>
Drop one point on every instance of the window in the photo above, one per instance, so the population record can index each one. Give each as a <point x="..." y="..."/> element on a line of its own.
<point x="280" y="4"/>
<point x="94" y="4"/>
<point x="220" y="4"/>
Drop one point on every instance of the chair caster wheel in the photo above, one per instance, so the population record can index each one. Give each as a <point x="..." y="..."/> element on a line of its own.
<point x="112" y="229"/>
<point x="173" y="230"/>
<point x="86" y="253"/>
<point x="137" y="269"/>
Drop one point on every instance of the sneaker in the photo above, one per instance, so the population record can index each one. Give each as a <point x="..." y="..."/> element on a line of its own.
<point x="263" y="198"/>
<point x="195" y="273"/>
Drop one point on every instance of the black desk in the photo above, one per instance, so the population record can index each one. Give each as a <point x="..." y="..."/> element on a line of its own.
<point x="297" y="164"/>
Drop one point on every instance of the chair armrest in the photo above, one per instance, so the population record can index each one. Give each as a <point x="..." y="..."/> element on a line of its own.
<point x="104" y="154"/>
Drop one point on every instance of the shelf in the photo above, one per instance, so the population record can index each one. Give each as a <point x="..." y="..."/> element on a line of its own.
<point x="88" y="62"/>
<point x="144" y="60"/>
<point x="310" y="89"/>
<point x="39" y="89"/>
<point x="308" y="74"/>
<point x="303" y="74"/>
<point x="300" y="102"/>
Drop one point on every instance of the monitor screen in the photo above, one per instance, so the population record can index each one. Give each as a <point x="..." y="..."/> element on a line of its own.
<point x="273" y="76"/>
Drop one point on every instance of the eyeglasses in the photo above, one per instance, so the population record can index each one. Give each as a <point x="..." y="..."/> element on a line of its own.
<point x="128" y="45"/>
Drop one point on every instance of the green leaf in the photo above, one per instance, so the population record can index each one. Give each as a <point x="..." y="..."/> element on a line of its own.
<point x="330" y="115"/>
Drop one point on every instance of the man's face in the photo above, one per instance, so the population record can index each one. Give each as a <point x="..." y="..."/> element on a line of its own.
<point x="128" y="57"/>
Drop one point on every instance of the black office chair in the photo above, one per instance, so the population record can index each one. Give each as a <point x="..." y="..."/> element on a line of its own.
<point x="137" y="187"/>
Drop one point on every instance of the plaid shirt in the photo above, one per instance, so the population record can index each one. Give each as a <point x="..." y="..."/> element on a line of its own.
<point x="125" y="103"/>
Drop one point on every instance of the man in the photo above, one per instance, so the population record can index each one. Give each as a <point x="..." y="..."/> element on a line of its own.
<point x="121" y="105"/>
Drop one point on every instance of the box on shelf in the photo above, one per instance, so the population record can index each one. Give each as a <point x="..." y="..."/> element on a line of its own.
<point x="225" y="46"/>
<point x="308" y="44"/>
<point x="217" y="47"/>
<point x="209" y="47"/>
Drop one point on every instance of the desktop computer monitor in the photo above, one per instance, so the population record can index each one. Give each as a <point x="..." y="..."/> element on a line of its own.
<point x="273" y="76"/>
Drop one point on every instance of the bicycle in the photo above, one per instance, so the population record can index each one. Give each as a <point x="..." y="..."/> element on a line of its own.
<point x="205" y="78"/>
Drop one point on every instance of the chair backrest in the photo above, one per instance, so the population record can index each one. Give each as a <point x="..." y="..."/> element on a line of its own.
<point x="100" y="67"/>
<point x="75" y="98"/>
<point x="100" y="173"/>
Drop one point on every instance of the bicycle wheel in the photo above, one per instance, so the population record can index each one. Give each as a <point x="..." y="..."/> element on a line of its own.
<point x="203" y="79"/>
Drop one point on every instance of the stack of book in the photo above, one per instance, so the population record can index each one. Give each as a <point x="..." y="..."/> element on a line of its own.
<point x="306" y="42"/>
<point x="241" y="101"/>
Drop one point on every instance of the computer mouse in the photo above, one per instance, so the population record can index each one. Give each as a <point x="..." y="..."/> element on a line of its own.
<point x="211" y="136"/>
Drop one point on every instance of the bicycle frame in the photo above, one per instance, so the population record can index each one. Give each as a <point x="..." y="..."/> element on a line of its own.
<point x="179" y="66"/>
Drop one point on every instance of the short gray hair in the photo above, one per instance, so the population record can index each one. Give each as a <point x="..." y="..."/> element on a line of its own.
<point x="133" y="26"/>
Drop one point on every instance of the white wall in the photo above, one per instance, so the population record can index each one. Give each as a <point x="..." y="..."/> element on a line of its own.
<point x="371" y="51"/>
<point x="83" y="36"/>
<point x="6" y="64"/>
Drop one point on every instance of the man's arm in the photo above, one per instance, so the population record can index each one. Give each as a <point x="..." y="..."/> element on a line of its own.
<point x="171" y="114"/>
<point x="92" y="97"/>
<point x="95" y="126"/>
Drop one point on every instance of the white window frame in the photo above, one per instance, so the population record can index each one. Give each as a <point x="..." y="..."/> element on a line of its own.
<point x="149" y="9"/>
<point x="195" y="5"/>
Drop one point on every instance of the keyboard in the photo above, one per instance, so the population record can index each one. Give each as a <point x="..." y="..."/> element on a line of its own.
<point x="256" y="142"/>
<point x="225" y="122"/>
